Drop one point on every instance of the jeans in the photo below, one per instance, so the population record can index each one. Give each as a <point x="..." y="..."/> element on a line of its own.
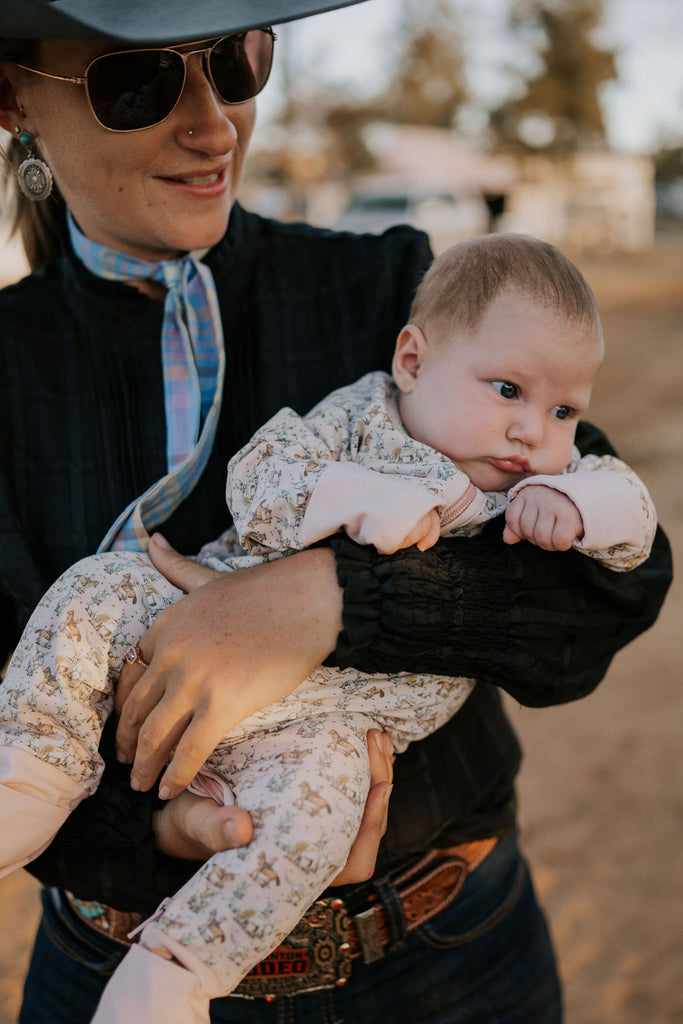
<point x="487" y="959"/>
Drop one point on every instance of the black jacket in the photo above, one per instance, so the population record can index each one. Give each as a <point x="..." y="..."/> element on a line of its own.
<point x="82" y="432"/>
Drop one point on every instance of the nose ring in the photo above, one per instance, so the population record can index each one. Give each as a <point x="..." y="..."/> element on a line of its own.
<point x="190" y="132"/>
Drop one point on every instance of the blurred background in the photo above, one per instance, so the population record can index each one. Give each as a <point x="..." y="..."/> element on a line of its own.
<point x="564" y="119"/>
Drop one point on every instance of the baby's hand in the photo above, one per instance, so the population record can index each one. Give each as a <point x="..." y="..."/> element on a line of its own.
<point x="424" y="534"/>
<point x="543" y="516"/>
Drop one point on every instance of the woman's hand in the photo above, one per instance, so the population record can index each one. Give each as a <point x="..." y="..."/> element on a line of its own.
<point x="194" y="827"/>
<point x="360" y="864"/>
<point x="236" y="643"/>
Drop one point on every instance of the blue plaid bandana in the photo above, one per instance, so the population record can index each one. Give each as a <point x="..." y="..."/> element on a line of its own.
<point x="193" y="358"/>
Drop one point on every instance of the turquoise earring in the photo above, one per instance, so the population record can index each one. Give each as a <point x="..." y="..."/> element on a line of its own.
<point x="33" y="174"/>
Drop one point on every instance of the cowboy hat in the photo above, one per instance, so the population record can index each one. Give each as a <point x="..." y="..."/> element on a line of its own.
<point x="147" y="21"/>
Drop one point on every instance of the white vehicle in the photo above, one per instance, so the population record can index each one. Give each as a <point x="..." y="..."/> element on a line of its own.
<point x="446" y="217"/>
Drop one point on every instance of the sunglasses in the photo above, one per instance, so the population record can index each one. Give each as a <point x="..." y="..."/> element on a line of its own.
<point x="134" y="89"/>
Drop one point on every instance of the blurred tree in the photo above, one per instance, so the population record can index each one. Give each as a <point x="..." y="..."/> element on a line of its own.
<point x="559" y="109"/>
<point x="669" y="164"/>
<point x="428" y="85"/>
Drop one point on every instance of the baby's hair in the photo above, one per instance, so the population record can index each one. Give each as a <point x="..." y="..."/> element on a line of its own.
<point x="462" y="283"/>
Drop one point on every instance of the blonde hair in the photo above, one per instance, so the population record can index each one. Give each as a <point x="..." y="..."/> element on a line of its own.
<point x="40" y="225"/>
<point x="462" y="283"/>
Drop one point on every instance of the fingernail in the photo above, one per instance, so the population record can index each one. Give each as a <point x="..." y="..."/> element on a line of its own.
<point x="135" y="782"/>
<point x="387" y="745"/>
<point x="387" y="794"/>
<point x="121" y="757"/>
<point x="229" y="833"/>
<point x="164" y="792"/>
<point x="161" y="541"/>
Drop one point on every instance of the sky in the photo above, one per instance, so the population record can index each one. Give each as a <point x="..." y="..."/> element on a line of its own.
<point x="349" y="48"/>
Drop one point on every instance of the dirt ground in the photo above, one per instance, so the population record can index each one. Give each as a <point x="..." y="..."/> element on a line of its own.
<point x="601" y="790"/>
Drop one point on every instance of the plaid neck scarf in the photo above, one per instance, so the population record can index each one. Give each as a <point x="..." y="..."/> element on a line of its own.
<point x="193" y="358"/>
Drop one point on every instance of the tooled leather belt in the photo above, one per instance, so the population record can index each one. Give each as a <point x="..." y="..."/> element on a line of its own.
<point x="319" y="952"/>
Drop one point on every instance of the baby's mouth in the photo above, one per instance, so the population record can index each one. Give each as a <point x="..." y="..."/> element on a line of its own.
<point x="512" y="464"/>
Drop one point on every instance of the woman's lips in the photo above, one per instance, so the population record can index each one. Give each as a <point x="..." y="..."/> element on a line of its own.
<point x="207" y="181"/>
<point x="200" y="179"/>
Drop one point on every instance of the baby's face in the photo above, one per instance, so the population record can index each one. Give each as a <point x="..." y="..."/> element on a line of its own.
<point x="502" y="400"/>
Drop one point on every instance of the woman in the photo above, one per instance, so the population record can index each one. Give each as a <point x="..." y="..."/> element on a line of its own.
<point x="85" y="433"/>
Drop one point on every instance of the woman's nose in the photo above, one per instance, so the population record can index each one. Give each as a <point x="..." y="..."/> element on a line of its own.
<point x="202" y="120"/>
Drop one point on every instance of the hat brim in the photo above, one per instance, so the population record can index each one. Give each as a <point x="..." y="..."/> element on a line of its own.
<point x="149" y="21"/>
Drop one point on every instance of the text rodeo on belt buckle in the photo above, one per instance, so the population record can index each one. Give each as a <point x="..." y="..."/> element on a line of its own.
<point x="316" y="955"/>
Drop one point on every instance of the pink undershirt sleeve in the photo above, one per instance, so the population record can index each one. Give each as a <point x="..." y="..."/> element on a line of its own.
<point x="36" y="798"/>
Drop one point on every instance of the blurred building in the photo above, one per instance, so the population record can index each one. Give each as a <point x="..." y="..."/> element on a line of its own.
<point x="432" y="178"/>
<point x="586" y="202"/>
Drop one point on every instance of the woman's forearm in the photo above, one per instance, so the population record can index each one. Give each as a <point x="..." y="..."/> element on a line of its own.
<point x="542" y="625"/>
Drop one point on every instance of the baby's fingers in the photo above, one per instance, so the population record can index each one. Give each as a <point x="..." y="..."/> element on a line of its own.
<point x="513" y="531"/>
<point x="432" y="524"/>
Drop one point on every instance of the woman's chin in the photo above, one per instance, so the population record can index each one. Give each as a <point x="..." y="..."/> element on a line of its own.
<point x="195" y="238"/>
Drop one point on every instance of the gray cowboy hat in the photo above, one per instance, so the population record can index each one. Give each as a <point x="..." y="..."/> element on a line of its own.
<point x="149" y="21"/>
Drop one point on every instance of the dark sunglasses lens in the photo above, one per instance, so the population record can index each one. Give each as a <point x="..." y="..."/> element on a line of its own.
<point x="135" y="90"/>
<point x="240" y="65"/>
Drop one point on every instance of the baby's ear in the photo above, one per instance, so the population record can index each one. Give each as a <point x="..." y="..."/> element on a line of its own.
<point x="409" y="355"/>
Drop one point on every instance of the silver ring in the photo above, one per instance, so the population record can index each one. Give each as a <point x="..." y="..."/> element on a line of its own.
<point x="133" y="654"/>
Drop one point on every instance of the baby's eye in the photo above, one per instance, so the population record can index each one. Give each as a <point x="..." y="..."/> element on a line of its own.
<point x="506" y="389"/>
<point x="562" y="412"/>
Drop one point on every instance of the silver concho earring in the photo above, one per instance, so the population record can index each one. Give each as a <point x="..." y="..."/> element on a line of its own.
<point x="33" y="174"/>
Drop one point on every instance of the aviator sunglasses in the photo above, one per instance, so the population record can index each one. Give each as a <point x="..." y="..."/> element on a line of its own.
<point x="134" y="89"/>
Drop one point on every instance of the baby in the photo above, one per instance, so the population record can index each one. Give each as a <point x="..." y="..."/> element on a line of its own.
<point x="490" y="377"/>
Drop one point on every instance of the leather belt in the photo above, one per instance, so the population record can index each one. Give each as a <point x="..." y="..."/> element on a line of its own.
<point x="320" y="950"/>
<point x="425" y="890"/>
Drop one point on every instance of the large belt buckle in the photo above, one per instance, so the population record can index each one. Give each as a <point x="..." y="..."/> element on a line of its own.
<point x="316" y="955"/>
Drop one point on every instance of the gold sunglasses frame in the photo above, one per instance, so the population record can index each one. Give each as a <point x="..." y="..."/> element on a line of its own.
<point x="205" y="51"/>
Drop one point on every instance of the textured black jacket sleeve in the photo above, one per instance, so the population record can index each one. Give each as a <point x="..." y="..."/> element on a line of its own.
<point x="541" y="625"/>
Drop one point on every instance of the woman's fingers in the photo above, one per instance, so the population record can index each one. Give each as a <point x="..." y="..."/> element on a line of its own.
<point x="172" y="729"/>
<point x="211" y="666"/>
<point x="198" y="738"/>
<point x="182" y="572"/>
<point x="138" y="692"/>
<point x="360" y="864"/>
<point x="130" y="677"/>
<point x="169" y="719"/>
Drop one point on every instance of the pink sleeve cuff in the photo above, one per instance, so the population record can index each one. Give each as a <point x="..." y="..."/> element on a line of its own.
<point x="146" y="987"/>
<point x="610" y="506"/>
<point x="35" y="801"/>
<point x="372" y="507"/>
